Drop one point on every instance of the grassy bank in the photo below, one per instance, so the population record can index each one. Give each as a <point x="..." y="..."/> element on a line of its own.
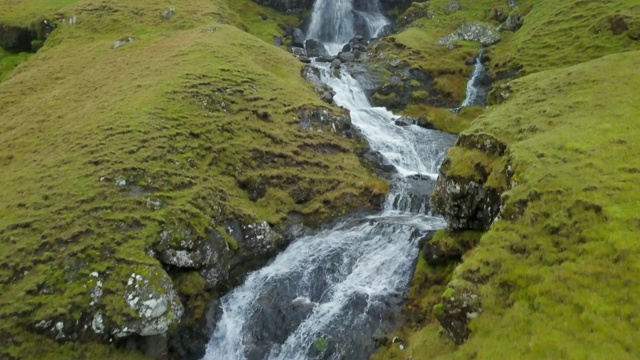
<point x="555" y="275"/>
<point x="103" y="147"/>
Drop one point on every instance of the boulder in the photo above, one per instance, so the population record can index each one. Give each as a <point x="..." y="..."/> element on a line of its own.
<point x="346" y="57"/>
<point x="513" y="22"/>
<point x="451" y="7"/>
<point x="315" y="48"/>
<point x="182" y="247"/>
<point x="154" y="305"/>
<point x="483" y="33"/>
<point x="298" y="38"/>
<point x="322" y="118"/>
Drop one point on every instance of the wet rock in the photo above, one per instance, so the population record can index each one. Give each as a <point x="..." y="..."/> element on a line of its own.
<point x="298" y="38"/>
<point x="336" y="63"/>
<point x="277" y="41"/>
<point x="298" y="51"/>
<point x="315" y="48"/>
<point x="385" y="31"/>
<point x="378" y="161"/>
<point x="346" y="57"/>
<point x="256" y="239"/>
<point x="406" y="121"/>
<point x="460" y="305"/>
<point x="312" y="75"/>
<point x="451" y="7"/>
<point x="189" y="340"/>
<point x="483" y="33"/>
<point x="325" y="59"/>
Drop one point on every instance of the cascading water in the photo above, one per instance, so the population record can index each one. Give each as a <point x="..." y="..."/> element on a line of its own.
<point x="341" y="20"/>
<point x="478" y="86"/>
<point x="327" y="294"/>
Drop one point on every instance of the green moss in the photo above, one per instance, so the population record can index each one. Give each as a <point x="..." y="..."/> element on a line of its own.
<point x="189" y="283"/>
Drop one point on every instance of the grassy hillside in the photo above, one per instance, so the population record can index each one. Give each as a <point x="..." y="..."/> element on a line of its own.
<point x="555" y="274"/>
<point x="553" y="34"/>
<point x="104" y="147"/>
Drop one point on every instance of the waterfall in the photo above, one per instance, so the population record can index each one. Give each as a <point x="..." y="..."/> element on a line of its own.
<point x="335" y="22"/>
<point x="327" y="294"/>
<point x="478" y="85"/>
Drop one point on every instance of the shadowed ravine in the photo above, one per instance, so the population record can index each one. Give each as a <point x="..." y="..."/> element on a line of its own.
<point x="327" y="294"/>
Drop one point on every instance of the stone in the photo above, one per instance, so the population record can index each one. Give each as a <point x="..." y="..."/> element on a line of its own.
<point x="460" y="305"/>
<point x="322" y="118"/>
<point x="298" y="51"/>
<point x="336" y="63"/>
<point x="119" y="43"/>
<point x="277" y="41"/>
<point x="182" y="247"/>
<point x="298" y="38"/>
<point x="154" y="301"/>
<point x="315" y="48"/>
<point x="168" y="14"/>
<point x="483" y="33"/>
<point x="346" y="57"/>
<point x="325" y="59"/>
<point x="513" y="22"/>
<point x="451" y="7"/>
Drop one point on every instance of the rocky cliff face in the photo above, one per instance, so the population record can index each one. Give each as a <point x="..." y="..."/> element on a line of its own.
<point x="470" y="199"/>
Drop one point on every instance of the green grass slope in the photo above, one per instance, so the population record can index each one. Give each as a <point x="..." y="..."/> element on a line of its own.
<point x="557" y="279"/>
<point x="103" y="147"/>
<point x="556" y="274"/>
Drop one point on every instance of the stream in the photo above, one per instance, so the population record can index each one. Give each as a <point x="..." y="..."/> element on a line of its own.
<point x="327" y="294"/>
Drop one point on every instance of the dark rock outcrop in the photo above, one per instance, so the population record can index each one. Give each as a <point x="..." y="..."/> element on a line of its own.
<point x="467" y="202"/>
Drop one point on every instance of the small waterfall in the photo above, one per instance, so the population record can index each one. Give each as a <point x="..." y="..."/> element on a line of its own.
<point x="478" y="85"/>
<point x="327" y="294"/>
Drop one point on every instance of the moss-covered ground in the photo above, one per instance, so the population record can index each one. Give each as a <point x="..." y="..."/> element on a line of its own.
<point x="556" y="274"/>
<point x="102" y="147"/>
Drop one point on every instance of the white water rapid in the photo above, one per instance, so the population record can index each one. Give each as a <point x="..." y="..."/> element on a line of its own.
<point x="327" y="294"/>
